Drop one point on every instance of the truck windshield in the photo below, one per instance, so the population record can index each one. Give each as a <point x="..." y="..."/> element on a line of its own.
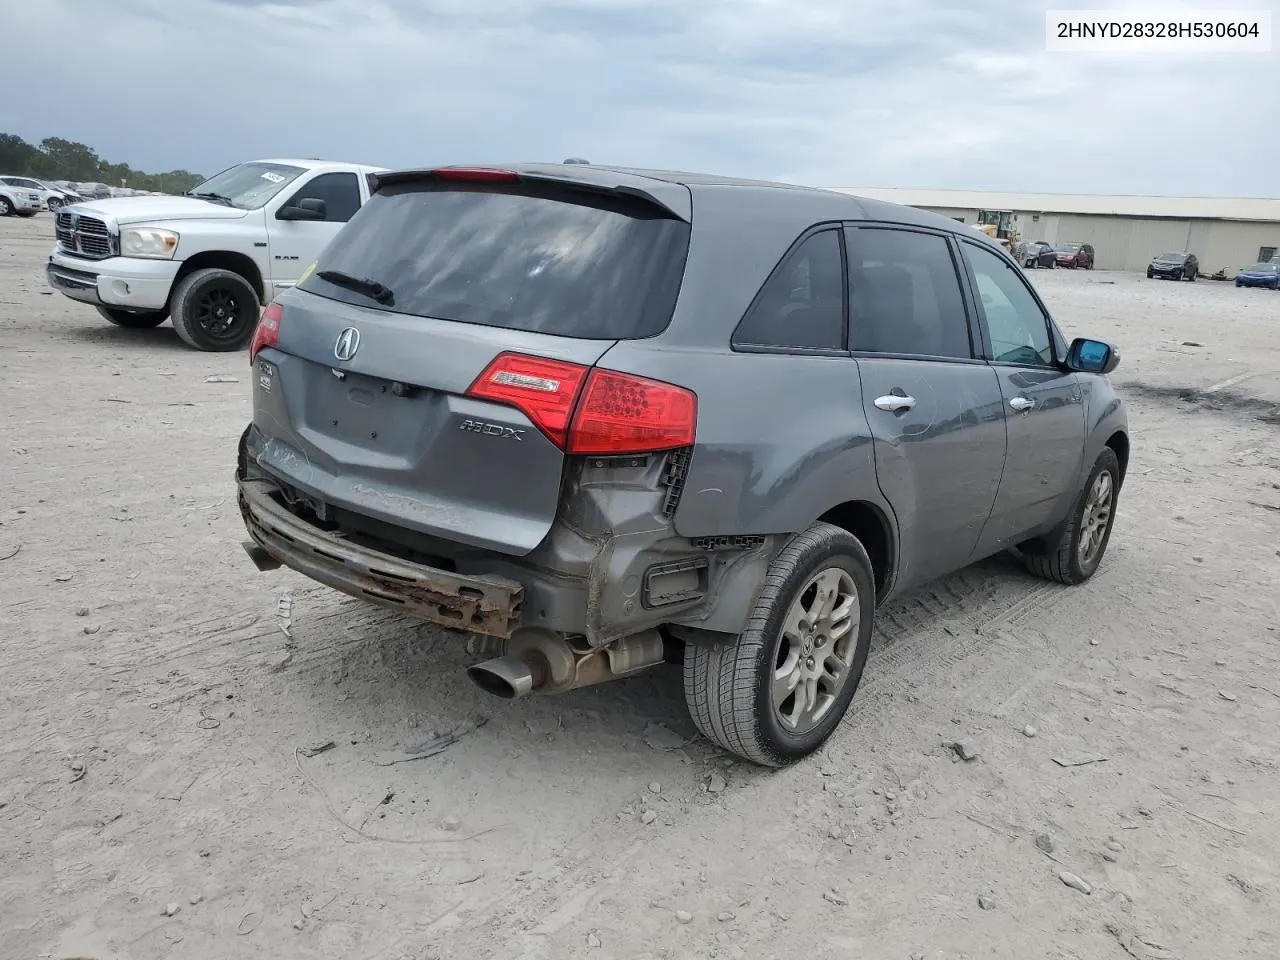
<point x="247" y="186"/>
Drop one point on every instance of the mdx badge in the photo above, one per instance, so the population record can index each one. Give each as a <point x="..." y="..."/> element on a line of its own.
<point x="491" y="429"/>
<point x="348" y="343"/>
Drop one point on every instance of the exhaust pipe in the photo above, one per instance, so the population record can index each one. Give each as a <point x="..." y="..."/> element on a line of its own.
<point x="540" y="661"/>
<point x="507" y="677"/>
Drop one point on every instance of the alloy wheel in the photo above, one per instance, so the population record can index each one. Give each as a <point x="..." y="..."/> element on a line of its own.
<point x="1096" y="518"/>
<point x="815" y="650"/>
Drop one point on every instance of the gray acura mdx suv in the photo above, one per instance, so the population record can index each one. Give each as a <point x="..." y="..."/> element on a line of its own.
<point x="605" y="418"/>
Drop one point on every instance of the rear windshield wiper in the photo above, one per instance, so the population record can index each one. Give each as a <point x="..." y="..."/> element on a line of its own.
<point x="215" y="197"/>
<point x="370" y="288"/>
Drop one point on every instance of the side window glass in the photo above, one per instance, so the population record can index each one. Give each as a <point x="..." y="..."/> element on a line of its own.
<point x="339" y="191"/>
<point x="1016" y="324"/>
<point x="802" y="303"/>
<point x="905" y="296"/>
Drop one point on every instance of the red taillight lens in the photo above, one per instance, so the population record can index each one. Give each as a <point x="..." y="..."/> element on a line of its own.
<point x="621" y="413"/>
<point x="475" y="175"/>
<point x="543" y="390"/>
<point x="617" y="413"/>
<point x="267" y="333"/>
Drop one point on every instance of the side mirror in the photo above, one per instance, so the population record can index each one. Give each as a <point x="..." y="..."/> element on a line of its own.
<point x="305" y="209"/>
<point x="1092" y="356"/>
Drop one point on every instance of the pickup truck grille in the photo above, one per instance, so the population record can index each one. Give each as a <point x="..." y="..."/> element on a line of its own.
<point x="83" y="236"/>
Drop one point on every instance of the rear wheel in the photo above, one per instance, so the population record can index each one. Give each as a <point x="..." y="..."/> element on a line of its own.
<point x="54" y="204"/>
<point x="776" y="694"/>
<point x="215" y="310"/>
<point x="6" y="208"/>
<point x="133" y="321"/>
<point x="1075" y="555"/>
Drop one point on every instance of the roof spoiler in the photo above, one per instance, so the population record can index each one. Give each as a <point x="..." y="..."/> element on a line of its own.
<point x="674" y="198"/>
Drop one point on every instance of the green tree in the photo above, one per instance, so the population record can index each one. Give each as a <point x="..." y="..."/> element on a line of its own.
<point x="60" y="159"/>
<point x="17" y="157"/>
<point x="71" y="160"/>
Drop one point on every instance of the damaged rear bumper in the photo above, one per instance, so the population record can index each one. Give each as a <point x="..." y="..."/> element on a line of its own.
<point x="489" y="605"/>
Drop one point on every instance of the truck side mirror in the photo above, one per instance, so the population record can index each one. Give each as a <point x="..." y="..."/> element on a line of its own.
<point x="305" y="209"/>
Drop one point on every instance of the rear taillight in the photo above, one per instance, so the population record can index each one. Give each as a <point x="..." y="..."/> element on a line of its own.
<point x="620" y="413"/>
<point x="268" y="332"/>
<point x="591" y="411"/>
<point x="543" y="390"/>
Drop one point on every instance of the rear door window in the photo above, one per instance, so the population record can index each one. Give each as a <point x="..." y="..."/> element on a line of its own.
<point x="532" y="257"/>
<point x="802" y="304"/>
<point x="904" y="295"/>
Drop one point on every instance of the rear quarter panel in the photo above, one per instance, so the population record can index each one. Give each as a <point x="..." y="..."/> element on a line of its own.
<point x="782" y="438"/>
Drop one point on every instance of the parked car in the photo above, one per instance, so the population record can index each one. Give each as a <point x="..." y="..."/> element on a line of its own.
<point x="207" y="260"/>
<point x="1260" y="275"/>
<point x="1174" y="266"/>
<point x="51" y="198"/>
<point x="21" y="201"/>
<point x="1039" y="254"/>
<point x="525" y="403"/>
<point x="1073" y="255"/>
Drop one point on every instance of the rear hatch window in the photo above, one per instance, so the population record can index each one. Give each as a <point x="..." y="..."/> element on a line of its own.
<point x="540" y="258"/>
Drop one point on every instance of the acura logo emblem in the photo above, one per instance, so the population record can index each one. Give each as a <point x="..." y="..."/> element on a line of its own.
<point x="348" y="343"/>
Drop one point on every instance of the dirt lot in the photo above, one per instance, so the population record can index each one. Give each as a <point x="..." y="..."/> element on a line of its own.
<point x="154" y="715"/>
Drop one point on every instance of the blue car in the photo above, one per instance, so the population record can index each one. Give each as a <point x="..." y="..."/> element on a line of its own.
<point x="1260" y="275"/>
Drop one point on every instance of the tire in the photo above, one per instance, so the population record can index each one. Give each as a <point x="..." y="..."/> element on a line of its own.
<point x="214" y="310"/>
<point x="54" y="204"/>
<point x="6" y="208"/>
<point x="1067" y="561"/>
<point x="1150" y="275"/>
<point x="729" y="687"/>
<point x="27" y="214"/>
<point x="1192" y="276"/>
<point x="133" y="321"/>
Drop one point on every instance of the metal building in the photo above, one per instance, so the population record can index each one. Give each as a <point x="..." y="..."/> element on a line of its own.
<point x="1226" y="233"/>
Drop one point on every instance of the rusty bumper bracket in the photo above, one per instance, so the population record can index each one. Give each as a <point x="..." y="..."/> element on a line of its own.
<point x="488" y="605"/>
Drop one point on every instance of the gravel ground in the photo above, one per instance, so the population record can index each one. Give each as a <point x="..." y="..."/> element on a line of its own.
<point x="155" y="717"/>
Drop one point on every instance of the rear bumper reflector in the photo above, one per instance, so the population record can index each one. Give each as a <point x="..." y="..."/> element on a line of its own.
<point x="488" y="605"/>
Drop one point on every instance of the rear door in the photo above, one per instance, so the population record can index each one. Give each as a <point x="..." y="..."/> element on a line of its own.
<point x="1041" y="401"/>
<point x="365" y="402"/>
<point x="295" y="244"/>
<point x="934" y="409"/>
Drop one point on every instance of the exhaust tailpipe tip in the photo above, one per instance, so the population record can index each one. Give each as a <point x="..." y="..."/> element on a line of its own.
<point x="506" y="677"/>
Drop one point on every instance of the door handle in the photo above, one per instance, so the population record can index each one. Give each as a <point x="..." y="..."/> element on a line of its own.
<point x="895" y="402"/>
<point x="1022" y="404"/>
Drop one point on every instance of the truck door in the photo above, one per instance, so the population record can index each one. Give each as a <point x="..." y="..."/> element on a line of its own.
<point x="295" y="242"/>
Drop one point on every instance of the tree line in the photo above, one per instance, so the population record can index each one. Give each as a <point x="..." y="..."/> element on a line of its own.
<point x="58" y="159"/>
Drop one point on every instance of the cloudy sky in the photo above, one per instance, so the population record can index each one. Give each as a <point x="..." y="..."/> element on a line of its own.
<point x="859" y="93"/>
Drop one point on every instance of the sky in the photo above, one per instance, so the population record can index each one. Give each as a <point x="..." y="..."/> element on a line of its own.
<point x="958" y="94"/>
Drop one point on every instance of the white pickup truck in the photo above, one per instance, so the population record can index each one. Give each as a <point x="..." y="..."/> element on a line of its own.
<point x="210" y="259"/>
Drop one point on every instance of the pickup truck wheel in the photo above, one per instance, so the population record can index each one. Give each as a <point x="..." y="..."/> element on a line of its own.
<point x="1075" y="556"/>
<point x="215" y="310"/>
<point x="778" y="692"/>
<point x="133" y="321"/>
